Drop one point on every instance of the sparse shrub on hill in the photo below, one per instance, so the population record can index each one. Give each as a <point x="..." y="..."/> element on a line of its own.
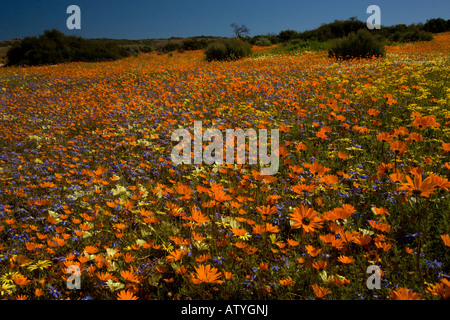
<point x="297" y="45"/>
<point x="145" y="48"/>
<point x="172" y="46"/>
<point x="194" y="44"/>
<point x="360" y="45"/>
<point x="133" y="49"/>
<point x="227" y="49"/>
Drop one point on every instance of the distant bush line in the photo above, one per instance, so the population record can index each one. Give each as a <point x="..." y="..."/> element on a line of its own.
<point x="55" y="47"/>
<point x="351" y="39"/>
<point x="397" y="33"/>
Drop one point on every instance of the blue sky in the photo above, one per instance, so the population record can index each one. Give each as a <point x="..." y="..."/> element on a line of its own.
<point x="140" y="19"/>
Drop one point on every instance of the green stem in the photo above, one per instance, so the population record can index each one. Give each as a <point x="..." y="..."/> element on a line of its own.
<point x="420" y="240"/>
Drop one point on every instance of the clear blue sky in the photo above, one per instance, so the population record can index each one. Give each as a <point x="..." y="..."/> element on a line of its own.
<point x="143" y="19"/>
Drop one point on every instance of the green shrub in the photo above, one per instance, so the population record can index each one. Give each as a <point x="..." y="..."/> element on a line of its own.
<point x="55" y="47"/>
<point x="360" y="45"/>
<point x="263" y="42"/>
<point x="271" y="37"/>
<point x="227" y="49"/>
<point x="216" y="51"/>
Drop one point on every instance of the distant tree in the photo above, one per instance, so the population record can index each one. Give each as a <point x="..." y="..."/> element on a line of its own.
<point x="240" y="31"/>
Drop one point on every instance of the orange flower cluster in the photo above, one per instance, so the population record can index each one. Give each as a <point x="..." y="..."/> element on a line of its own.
<point x="86" y="178"/>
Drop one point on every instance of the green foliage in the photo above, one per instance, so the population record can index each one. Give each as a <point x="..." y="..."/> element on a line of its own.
<point x="54" y="47"/>
<point x="360" y="45"/>
<point x="287" y="35"/>
<point x="227" y="49"/>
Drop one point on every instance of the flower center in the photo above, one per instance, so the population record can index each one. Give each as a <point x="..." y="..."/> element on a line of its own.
<point x="306" y="221"/>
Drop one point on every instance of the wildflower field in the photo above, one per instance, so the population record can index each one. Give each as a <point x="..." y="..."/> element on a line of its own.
<point x="86" y="178"/>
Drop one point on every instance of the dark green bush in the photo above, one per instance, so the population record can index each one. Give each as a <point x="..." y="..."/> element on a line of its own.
<point x="412" y="36"/>
<point x="227" y="49"/>
<point x="327" y="31"/>
<point x="437" y="25"/>
<point x="55" y="47"/>
<point x="360" y="45"/>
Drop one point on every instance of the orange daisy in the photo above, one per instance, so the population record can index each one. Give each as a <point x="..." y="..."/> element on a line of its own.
<point x="418" y="187"/>
<point x="126" y="295"/>
<point x="306" y="218"/>
<point x="405" y="294"/>
<point x="207" y="274"/>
